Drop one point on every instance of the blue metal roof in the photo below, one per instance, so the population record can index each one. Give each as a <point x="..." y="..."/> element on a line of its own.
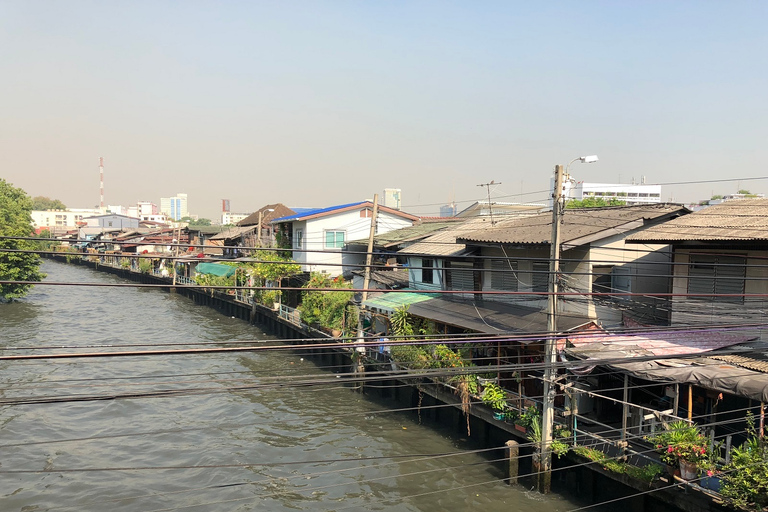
<point x="308" y="212"/>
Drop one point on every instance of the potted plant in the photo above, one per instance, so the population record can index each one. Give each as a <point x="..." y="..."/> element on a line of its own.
<point x="496" y="398"/>
<point x="681" y="445"/>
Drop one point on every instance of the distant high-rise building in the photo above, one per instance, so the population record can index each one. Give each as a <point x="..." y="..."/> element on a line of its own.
<point x="175" y="207"/>
<point x="448" y="210"/>
<point x="225" y="207"/>
<point x="392" y="198"/>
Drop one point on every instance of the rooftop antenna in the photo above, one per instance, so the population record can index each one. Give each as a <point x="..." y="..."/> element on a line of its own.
<point x="101" y="182"/>
<point x="488" y="188"/>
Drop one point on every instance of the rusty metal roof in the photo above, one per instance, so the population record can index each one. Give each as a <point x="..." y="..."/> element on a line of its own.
<point x="579" y="224"/>
<point x="740" y="219"/>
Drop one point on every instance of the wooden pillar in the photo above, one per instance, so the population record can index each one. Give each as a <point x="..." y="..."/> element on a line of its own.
<point x="690" y="402"/>
<point x="514" y="461"/>
<point x="625" y="409"/>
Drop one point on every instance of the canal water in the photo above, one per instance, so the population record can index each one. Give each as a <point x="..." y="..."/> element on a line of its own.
<point x="93" y="434"/>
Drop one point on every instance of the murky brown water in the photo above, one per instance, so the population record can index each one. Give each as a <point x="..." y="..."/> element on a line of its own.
<point x="268" y="449"/>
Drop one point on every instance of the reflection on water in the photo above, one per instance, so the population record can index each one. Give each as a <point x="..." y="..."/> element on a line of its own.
<point x="273" y="448"/>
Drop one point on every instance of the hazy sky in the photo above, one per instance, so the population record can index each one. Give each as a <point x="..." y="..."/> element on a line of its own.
<point x="326" y="102"/>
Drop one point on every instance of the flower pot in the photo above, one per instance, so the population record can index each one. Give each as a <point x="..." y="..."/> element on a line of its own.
<point x="688" y="470"/>
<point x="498" y="416"/>
<point x="710" y="482"/>
<point x="520" y="428"/>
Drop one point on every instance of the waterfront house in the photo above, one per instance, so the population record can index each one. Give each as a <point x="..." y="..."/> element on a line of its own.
<point x="385" y="249"/>
<point x="262" y="218"/>
<point x="317" y="236"/>
<point x="513" y="256"/>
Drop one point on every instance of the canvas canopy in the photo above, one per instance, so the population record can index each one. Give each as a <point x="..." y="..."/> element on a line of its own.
<point x="216" y="269"/>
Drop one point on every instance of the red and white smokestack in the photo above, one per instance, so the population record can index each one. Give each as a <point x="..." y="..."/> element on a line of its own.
<point x="101" y="177"/>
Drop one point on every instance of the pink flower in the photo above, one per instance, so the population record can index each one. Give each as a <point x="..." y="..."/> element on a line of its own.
<point x="710" y="472"/>
<point x="670" y="449"/>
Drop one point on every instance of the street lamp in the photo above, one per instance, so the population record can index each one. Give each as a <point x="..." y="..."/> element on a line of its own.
<point x="550" y="350"/>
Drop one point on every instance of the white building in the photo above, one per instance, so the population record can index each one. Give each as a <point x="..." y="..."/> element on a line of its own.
<point x="317" y="236"/>
<point x="60" y="221"/>
<point x="392" y="198"/>
<point x="175" y="207"/>
<point x="630" y="193"/>
<point x="232" y="218"/>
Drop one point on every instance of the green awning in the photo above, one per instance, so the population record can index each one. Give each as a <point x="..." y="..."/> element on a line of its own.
<point x="216" y="269"/>
<point x="391" y="301"/>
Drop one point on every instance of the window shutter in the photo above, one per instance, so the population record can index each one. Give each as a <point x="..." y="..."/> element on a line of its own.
<point x="503" y="275"/>
<point x="462" y="277"/>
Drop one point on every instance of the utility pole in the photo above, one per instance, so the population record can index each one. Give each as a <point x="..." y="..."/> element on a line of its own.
<point x="550" y="347"/>
<point x="258" y="229"/>
<point x="488" y="188"/>
<point x="369" y="255"/>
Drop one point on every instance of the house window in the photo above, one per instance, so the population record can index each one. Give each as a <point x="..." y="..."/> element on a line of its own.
<point x="298" y="239"/>
<point x="427" y="271"/>
<point x="540" y="276"/>
<point x="717" y="274"/>
<point x="334" y="239"/>
<point x="504" y="275"/>
<point x="609" y="278"/>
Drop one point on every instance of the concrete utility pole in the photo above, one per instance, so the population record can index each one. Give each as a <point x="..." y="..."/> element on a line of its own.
<point x="550" y="347"/>
<point x="369" y="255"/>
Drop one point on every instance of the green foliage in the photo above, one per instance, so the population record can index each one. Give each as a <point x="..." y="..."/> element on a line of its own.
<point x="594" y="202"/>
<point x="46" y="203"/>
<point x="680" y="440"/>
<point x="326" y="308"/>
<point x="270" y="268"/>
<point x="559" y="447"/>
<point x="745" y="478"/>
<point x="212" y="280"/>
<point x="15" y="221"/>
<point x="715" y="197"/>
<point x="125" y="263"/>
<point x="400" y="322"/>
<point x="46" y="245"/>
<point x="645" y="473"/>
<point x="530" y="417"/>
<point x="195" y="223"/>
<point x="145" y="265"/>
<point x="273" y="266"/>
<point x="494" y="396"/>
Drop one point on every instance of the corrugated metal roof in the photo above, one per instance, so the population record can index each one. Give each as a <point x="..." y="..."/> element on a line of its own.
<point x="443" y="243"/>
<point x="406" y="234"/>
<point x="745" y="362"/>
<point x="492" y="317"/>
<point x="577" y="223"/>
<point x="391" y="301"/>
<point x="330" y="210"/>
<point x="233" y="232"/>
<point x="740" y="219"/>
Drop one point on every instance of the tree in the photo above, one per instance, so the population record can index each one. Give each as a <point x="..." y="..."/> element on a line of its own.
<point x="195" y="223"/>
<point x="594" y="202"/>
<point x="15" y="221"/>
<point x="46" y="203"/>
